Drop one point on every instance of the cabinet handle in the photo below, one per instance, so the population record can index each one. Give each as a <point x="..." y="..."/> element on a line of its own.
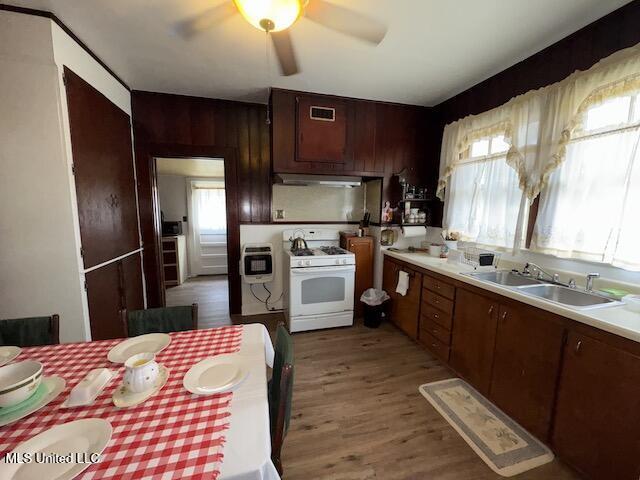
<point x="504" y="315"/>
<point x="435" y="315"/>
<point x="490" y="310"/>
<point x="434" y="331"/>
<point x="437" y="286"/>
<point x="578" y="346"/>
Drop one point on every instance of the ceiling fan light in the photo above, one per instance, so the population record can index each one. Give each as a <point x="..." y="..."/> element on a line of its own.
<point x="277" y="14"/>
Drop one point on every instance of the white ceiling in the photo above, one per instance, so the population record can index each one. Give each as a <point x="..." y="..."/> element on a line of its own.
<point x="433" y="50"/>
<point x="191" y="167"/>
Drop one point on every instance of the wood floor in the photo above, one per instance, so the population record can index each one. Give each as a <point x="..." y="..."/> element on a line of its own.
<point x="357" y="413"/>
<point x="210" y="292"/>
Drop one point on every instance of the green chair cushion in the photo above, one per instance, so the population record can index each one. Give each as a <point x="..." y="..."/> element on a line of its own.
<point x="283" y="356"/>
<point x="26" y="332"/>
<point x="159" y="320"/>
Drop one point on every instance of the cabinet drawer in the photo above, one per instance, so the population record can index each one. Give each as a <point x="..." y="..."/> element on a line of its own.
<point x="436" y="316"/>
<point x="439" y="349"/>
<point x="441" y="288"/>
<point x="443" y="304"/>
<point x="435" y="330"/>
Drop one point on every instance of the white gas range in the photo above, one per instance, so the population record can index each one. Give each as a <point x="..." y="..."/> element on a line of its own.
<point x="318" y="281"/>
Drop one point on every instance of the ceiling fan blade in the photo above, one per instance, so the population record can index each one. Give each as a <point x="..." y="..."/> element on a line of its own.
<point x="345" y="21"/>
<point x="190" y="27"/>
<point x="285" y="53"/>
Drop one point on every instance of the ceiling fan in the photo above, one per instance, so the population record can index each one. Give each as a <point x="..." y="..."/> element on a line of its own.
<point x="275" y="17"/>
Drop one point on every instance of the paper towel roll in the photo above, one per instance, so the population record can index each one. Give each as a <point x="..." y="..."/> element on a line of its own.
<point x="414" y="231"/>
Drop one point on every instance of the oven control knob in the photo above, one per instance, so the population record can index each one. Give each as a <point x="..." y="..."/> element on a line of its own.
<point x="344" y="261"/>
<point x="307" y="262"/>
<point x="338" y="261"/>
<point x="300" y="263"/>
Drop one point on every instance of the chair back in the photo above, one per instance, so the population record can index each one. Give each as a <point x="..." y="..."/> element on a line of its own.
<point x="31" y="331"/>
<point x="281" y="392"/>
<point x="160" y="320"/>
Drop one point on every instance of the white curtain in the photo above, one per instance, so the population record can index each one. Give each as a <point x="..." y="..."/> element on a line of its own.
<point x="486" y="202"/>
<point x="547" y="152"/>
<point x="590" y="206"/>
<point x="210" y="209"/>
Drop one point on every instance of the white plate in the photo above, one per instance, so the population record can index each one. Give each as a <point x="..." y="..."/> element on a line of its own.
<point x="149" y="343"/>
<point x="123" y="398"/>
<point x="55" y="386"/>
<point x="215" y="375"/>
<point x="8" y="353"/>
<point x="80" y="438"/>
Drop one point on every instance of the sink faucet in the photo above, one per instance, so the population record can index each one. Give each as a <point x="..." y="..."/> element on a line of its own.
<point x="590" y="277"/>
<point x="554" y="278"/>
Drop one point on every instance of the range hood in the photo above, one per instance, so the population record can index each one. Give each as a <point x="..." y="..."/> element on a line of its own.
<point x="323" y="180"/>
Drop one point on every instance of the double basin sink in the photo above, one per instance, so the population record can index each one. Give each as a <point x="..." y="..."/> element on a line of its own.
<point x="571" y="297"/>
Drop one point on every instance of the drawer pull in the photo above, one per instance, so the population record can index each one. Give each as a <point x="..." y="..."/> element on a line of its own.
<point x="437" y="286"/>
<point x="435" y="315"/>
<point x="434" y="331"/>
<point x="434" y="345"/>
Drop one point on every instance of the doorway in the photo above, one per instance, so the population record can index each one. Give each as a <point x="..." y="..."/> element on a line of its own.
<point x="191" y="196"/>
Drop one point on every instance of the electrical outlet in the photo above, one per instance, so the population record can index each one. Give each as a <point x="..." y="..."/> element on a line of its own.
<point x="278" y="215"/>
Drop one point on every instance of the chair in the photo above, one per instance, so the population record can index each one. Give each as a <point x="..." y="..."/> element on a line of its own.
<point x="30" y="332"/>
<point x="159" y="320"/>
<point x="280" y="393"/>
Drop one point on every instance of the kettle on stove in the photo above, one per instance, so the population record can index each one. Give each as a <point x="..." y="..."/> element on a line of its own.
<point x="298" y="243"/>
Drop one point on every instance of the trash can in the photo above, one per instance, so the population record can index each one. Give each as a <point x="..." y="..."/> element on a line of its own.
<point x="374" y="306"/>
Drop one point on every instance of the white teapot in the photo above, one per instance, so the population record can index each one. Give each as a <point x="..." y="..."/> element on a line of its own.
<point x="141" y="372"/>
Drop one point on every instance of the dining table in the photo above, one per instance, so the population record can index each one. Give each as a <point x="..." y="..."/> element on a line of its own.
<point x="175" y="433"/>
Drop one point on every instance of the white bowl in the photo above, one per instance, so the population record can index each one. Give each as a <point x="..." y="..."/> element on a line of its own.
<point x="18" y="381"/>
<point x="632" y="302"/>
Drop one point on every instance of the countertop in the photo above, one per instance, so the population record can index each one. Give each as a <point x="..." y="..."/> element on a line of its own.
<point x="616" y="319"/>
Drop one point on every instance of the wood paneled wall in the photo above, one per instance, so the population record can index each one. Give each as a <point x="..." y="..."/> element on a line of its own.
<point x="580" y="50"/>
<point x="180" y="125"/>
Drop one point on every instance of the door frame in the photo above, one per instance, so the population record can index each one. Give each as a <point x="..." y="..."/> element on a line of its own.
<point x="229" y="156"/>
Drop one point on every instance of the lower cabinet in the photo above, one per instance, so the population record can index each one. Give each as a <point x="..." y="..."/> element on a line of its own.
<point x="405" y="309"/>
<point x="526" y="364"/>
<point x="473" y="337"/>
<point x="111" y="288"/>
<point x="597" y="421"/>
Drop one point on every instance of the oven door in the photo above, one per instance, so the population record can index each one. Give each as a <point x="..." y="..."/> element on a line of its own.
<point x="318" y="290"/>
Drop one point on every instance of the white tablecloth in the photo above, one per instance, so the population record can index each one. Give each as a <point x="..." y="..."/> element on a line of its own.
<point x="247" y="451"/>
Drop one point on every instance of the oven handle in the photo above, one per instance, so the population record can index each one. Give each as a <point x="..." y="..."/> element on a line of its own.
<point x="310" y="270"/>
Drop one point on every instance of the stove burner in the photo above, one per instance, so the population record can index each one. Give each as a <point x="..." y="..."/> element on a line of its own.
<point x="333" y="250"/>
<point x="302" y="252"/>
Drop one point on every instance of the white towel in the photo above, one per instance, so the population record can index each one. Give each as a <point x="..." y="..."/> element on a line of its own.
<point x="403" y="283"/>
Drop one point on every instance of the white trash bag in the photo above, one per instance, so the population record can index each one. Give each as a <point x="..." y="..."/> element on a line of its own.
<point x="373" y="297"/>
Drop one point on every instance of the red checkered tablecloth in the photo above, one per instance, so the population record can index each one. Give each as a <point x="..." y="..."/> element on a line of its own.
<point x="172" y="435"/>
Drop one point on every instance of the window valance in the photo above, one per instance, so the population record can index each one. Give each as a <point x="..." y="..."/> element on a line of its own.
<point x="539" y="124"/>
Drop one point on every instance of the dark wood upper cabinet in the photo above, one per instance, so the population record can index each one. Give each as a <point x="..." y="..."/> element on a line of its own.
<point x="526" y="365"/>
<point x="597" y="424"/>
<point x="473" y="337"/>
<point x="104" y="173"/>
<point x="325" y="134"/>
<point x="322" y="129"/>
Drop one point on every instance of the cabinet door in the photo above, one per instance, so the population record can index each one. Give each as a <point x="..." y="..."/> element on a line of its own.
<point x="526" y="365"/>
<point x="105" y="298"/>
<point x="104" y="175"/>
<point x="321" y="130"/>
<point x="473" y="337"/>
<point x="406" y="309"/>
<point x="132" y="282"/>
<point x="362" y="247"/>
<point x="597" y="421"/>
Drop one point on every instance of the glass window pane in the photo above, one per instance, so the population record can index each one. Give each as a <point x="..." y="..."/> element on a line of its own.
<point x="636" y="113"/>
<point x="610" y="113"/>
<point x="480" y="148"/>
<point x="498" y="145"/>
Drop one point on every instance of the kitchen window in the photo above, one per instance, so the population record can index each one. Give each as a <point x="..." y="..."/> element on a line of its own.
<point x="589" y="207"/>
<point x="487" y="197"/>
